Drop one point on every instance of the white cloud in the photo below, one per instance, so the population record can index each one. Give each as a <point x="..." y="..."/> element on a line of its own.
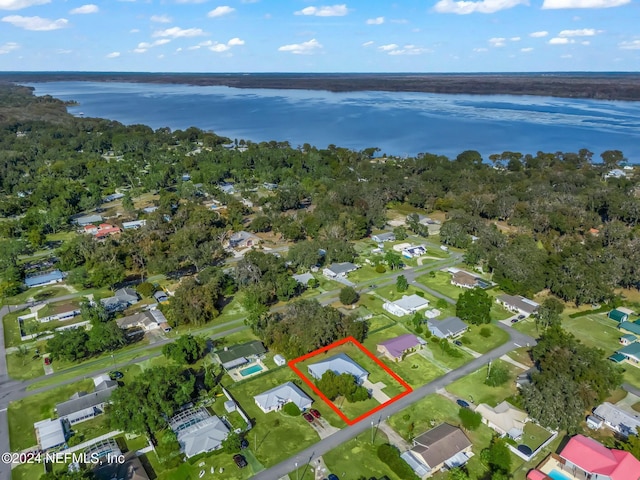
<point x="541" y="34"/>
<point x="526" y="49"/>
<point x="178" y="1"/>
<point x="325" y="11"/>
<point x="375" y="21"/>
<point x="560" y="41"/>
<point x="36" y="23"/>
<point x="515" y="39"/>
<point x="630" y="45"/>
<point x="161" y="18"/>
<point x="464" y="7"/>
<point x="583" y="32"/>
<point x="144" y="46"/>
<point x="219" y="47"/>
<point x="221" y="11"/>
<point x="389" y="47"/>
<point x="113" y="55"/>
<point x="497" y="41"/>
<point x="85" y="9"/>
<point x="234" y="42"/>
<point x="8" y="47"/>
<point x="19" y="4"/>
<point x="556" y="4"/>
<point x="177" y="32"/>
<point x="480" y="49"/>
<point x="304" y="48"/>
<point x="409" y="50"/>
<point x="368" y="44"/>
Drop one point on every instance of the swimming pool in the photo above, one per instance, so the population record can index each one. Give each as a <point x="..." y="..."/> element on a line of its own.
<point x="245" y="372"/>
<point x="556" y="475"/>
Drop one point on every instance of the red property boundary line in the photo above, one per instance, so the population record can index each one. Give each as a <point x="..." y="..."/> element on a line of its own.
<point x="349" y="421"/>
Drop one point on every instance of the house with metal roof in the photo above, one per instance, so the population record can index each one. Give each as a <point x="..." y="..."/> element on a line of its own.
<point x="384" y="237"/>
<point x="50" y="434"/>
<point x="630" y="327"/>
<point x="450" y="327"/>
<point x="303" y="278"/>
<point x="87" y="219"/>
<point x="122" y="298"/>
<point x="41" y="279"/>
<point x="58" y="311"/>
<point x="627" y="339"/>
<point x="236" y="355"/>
<point x="198" y="432"/>
<point x="442" y="446"/>
<point x="618" y="315"/>
<point x="84" y="406"/>
<point x="631" y="353"/>
<point x="504" y="418"/>
<point x="517" y="304"/>
<point x="395" y="348"/>
<point x="339" y="364"/>
<point x="620" y="421"/>
<point x="276" y="398"/>
<point x="407" y="305"/>
<point x="243" y="239"/>
<point x="134" y="225"/>
<point x="339" y="269"/>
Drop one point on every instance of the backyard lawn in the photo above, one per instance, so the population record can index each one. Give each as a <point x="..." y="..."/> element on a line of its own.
<point x="595" y="330"/>
<point x="482" y="344"/>
<point x="534" y="435"/>
<point x="12" y="328"/>
<point x="358" y="458"/>
<point x="473" y="388"/>
<point x="22" y="414"/>
<point x="92" y="428"/>
<point x="441" y="281"/>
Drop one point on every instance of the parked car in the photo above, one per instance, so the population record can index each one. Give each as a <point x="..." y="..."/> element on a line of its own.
<point x="315" y="413"/>
<point x="458" y="343"/>
<point x="462" y="403"/>
<point x="116" y="375"/>
<point x="241" y="462"/>
<point x="47" y="361"/>
<point x="244" y="443"/>
<point x="514" y="320"/>
<point x="333" y="477"/>
<point x="308" y="417"/>
<point x="521" y="317"/>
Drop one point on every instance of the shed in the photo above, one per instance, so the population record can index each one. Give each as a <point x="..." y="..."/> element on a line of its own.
<point x="279" y="360"/>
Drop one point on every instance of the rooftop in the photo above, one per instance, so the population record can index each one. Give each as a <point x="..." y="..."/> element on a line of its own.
<point x="519" y="302"/>
<point x="411" y="302"/>
<point x="338" y="364"/>
<point x="397" y="346"/>
<point x="591" y="456"/>
<point x="285" y="393"/>
<point x="243" y="350"/>
<point x="440" y="444"/>
<point x="343" y="267"/>
<point x="620" y="419"/>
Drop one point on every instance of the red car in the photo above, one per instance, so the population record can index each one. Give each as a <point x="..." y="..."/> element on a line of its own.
<point x="308" y="417"/>
<point x="315" y="413"/>
<point x="47" y="361"/>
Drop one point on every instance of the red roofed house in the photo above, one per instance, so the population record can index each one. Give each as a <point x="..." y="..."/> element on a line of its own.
<point x="585" y="458"/>
<point x="91" y="229"/>
<point x="105" y="229"/>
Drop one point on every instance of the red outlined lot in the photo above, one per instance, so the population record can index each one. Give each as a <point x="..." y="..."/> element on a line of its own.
<point x="307" y="380"/>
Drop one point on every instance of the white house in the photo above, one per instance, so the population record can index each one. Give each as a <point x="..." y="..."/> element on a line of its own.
<point x="198" y="432"/>
<point x="407" y="305"/>
<point x="134" y="225"/>
<point x="621" y="421"/>
<point x="276" y="398"/>
<point x="383" y="237"/>
<point x="414" y="251"/>
<point x="339" y="364"/>
<point x="517" y="304"/>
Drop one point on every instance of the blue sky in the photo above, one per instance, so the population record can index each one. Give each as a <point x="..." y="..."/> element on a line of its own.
<point x="312" y="36"/>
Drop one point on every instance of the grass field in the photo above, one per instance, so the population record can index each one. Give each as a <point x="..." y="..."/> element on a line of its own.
<point x="23" y="413"/>
<point x="12" y="328"/>
<point x="481" y="344"/>
<point x="441" y="281"/>
<point x="595" y="330"/>
<point x="472" y="387"/>
<point x="534" y="435"/>
<point x="27" y="471"/>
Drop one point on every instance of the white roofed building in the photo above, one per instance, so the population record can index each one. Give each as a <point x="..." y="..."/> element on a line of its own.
<point x="276" y="398"/>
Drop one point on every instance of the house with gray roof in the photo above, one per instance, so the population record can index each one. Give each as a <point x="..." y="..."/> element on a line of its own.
<point x="384" y="237"/>
<point x="276" y="398"/>
<point x="303" y="278"/>
<point x="243" y="239"/>
<point x="339" y="364"/>
<point x="50" y="434"/>
<point x="41" y="279"/>
<point x="504" y="418"/>
<point x="448" y="328"/>
<point x="517" y="304"/>
<point x="143" y="320"/>
<point x="198" y="431"/>
<point x="84" y="406"/>
<point x="407" y="305"/>
<point x="122" y="298"/>
<point x="87" y="220"/>
<point x="339" y="269"/>
<point x="236" y="355"/>
<point x="620" y="421"/>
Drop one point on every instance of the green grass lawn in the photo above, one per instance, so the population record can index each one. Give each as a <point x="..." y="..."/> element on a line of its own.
<point x="522" y="355"/>
<point x="92" y="428"/>
<point x="23" y="413"/>
<point x="27" y="471"/>
<point x="188" y="471"/>
<point x="527" y="326"/>
<point x="365" y="274"/>
<point x="379" y="322"/>
<point x="27" y="367"/>
<point x="390" y="292"/>
<point x="276" y="436"/>
<point x="430" y="412"/>
<point x="472" y="387"/>
<point x="595" y="330"/>
<point x="481" y="344"/>
<point x="441" y="281"/>
<point x="358" y="458"/>
<point x="498" y="312"/>
<point x="443" y="358"/>
<point x="631" y="374"/>
<point x="50" y="291"/>
<point x="12" y="328"/>
<point x="534" y="435"/>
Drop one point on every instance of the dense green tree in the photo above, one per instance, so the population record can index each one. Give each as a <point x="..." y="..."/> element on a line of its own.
<point x="187" y="349"/>
<point x="548" y="313"/>
<point x="345" y="385"/>
<point x="231" y="444"/>
<point x="498" y="374"/>
<point x="470" y="419"/>
<point x="348" y="296"/>
<point x="401" y="283"/>
<point x="70" y="345"/>
<point x="474" y="306"/>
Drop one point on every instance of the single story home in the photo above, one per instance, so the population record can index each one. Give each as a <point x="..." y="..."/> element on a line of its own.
<point x="134" y="225"/>
<point x="160" y="296"/>
<point x="407" y="305"/>
<point x="383" y="237"/>
<point x="276" y="398"/>
<point x="628" y="339"/>
<point x="518" y="304"/>
<point x="58" y="311"/>
<point x="236" y="355"/>
<point x="105" y="230"/>
<point x="630" y="327"/>
<point x="339" y="364"/>
<point x="87" y="219"/>
<point x="279" y="360"/>
<point x="504" y="418"/>
<point x="50" y="433"/>
<point x="621" y="421"/>
<point x="442" y="446"/>
<point x="583" y="457"/>
<point x="150" y="209"/>
<point x="432" y="313"/>
<point x="243" y="239"/>
<point x="339" y="269"/>
<point x="450" y="327"/>
<point x="227" y="188"/>
<point x="198" y="431"/>
<point x="464" y="280"/>
<point x="618" y="315"/>
<point x="55" y="276"/>
<point x="631" y="353"/>
<point x="84" y="406"/>
<point x="414" y="251"/>
<point x="122" y="298"/>
<point x="303" y="278"/>
<point x="112" y="197"/>
<point x="143" y="320"/>
<point x="396" y="348"/>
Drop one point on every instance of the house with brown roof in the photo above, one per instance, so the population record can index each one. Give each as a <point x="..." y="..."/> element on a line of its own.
<point x="442" y="446"/>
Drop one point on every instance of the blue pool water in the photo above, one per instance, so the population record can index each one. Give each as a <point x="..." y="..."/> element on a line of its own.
<point x="250" y="370"/>
<point x="556" y="475"/>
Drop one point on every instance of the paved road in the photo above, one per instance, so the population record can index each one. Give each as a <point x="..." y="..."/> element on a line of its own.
<point x="323" y="446"/>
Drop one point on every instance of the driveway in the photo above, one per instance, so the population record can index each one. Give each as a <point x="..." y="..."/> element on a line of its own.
<point x="376" y="391"/>
<point x="324" y="428"/>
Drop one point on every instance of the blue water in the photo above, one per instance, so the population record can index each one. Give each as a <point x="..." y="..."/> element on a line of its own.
<point x="399" y="123"/>
<point x="250" y="370"/>
<point x="556" y="475"/>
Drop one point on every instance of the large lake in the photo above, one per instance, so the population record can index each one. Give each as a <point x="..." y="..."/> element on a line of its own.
<point x="398" y="123"/>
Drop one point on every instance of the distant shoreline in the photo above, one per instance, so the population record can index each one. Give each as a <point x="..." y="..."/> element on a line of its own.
<point x="597" y="86"/>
